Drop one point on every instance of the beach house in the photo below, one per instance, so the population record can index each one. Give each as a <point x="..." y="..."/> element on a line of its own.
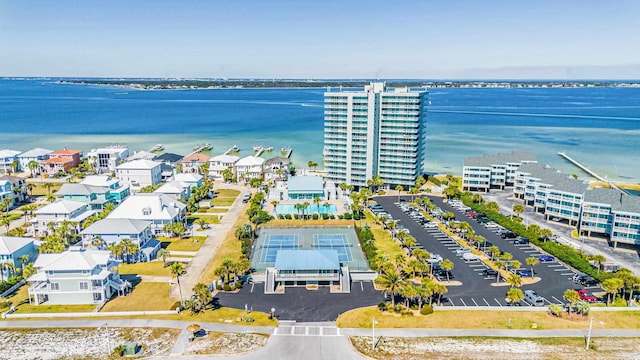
<point x="94" y="196"/>
<point x="139" y="173"/>
<point x="192" y="163"/>
<point x="117" y="193"/>
<point x="109" y="231"/>
<point x="7" y="161"/>
<point x="276" y="168"/>
<point x="107" y="158"/>
<point x="218" y="164"/>
<point x="16" y="251"/>
<point x="169" y="162"/>
<point x="160" y="209"/>
<point x="35" y="155"/>
<point x="55" y="213"/>
<point x="75" y="276"/>
<point x="61" y="161"/>
<point x="13" y="188"/>
<point x="177" y="189"/>
<point x="249" y="167"/>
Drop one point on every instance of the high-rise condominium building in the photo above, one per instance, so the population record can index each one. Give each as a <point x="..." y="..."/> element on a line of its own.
<point x="374" y="132"/>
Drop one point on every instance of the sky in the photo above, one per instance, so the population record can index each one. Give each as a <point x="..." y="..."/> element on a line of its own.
<point x="418" y="39"/>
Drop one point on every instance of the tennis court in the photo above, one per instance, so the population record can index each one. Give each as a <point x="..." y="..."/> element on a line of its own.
<point x="337" y="242"/>
<point x="275" y="242"/>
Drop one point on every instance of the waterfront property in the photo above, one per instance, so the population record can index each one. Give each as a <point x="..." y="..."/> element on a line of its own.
<point x="192" y="163"/>
<point x="7" y="159"/>
<point x="106" y="159"/>
<point x="34" y="155"/>
<point x="13" y="250"/>
<point x="249" y="167"/>
<point x="94" y="196"/>
<point x="495" y="171"/>
<point x="117" y="193"/>
<point x="160" y="209"/>
<point x="139" y="173"/>
<point x="108" y="231"/>
<point x="75" y="276"/>
<point x="59" y="162"/>
<point x="276" y="168"/>
<point x="191" y="179"/>
<point x="177" y="189"/>
<point x="74" y="212"/>
<point x="220" y="163"/>
<point x="307" y="256"/>
<point x="377" y="131"/>
<point x="13" y="188"/>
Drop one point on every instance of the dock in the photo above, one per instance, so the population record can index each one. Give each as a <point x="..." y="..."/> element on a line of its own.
<point x="286" y="152"/>
<point x="233" y="149"/>
<point x="589" y="171"/>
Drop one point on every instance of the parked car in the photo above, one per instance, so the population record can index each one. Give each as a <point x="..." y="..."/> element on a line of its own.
<point x="508" y="235"/>
<point x="584" y="280"/>
<point x="522" y="272"/>
<point x="533" y="298"/>
<point x="546" y="258"/>
<point x="586" y="295"/>
<point x="443" y="273"/>
<point x="461" y="251"/>
<point x="521" y="240"/>
<point x="490" y="273"/>
<point x="435" y="258"/>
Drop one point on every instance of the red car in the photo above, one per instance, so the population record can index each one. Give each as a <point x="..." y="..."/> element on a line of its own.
<point x="585" y="295"/>
<point x="472" y="214"/>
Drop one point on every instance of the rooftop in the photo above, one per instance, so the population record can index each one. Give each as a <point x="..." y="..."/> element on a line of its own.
<point x="66" y="151"/>
<point x="138" y="164"/>
<point x="99" y="180"/>
<point x="188" y="177"/>
<point x="168" y="157"/>
<point x="325" y="259"/>
<point x="197" y="157"/>
<point x="500" y="159"/>
<point x="8" y="153"/>
<point x="11" y="244"/>
<point x="80" y="189"/>
<point x="148" y="206"/>
<point x="35" y="153"/>
<point x="619" y="201"/>
<point x="305" y="184"/>
<point x="225" y="158"/>
<point x="72" y="259"/>
<point x="557" y="179"/>
<point x="61" y="207"/>
<point x="250" y="161"/>
<point x="117" y="226"/>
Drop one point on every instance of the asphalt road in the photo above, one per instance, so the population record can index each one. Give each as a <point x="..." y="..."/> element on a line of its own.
<point x="475" y="289"/>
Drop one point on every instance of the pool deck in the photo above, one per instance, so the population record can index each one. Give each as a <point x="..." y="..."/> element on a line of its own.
<point x="338" y="203"/>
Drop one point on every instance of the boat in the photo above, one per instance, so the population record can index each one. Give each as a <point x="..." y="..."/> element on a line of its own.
<point x="257" y="148"/>
<point x="157" y="147"/>
<point x="268" y="149"/>
<point x="202" y="147"/>
<point x="235" y="148"/>
<point x="285" y="150"/>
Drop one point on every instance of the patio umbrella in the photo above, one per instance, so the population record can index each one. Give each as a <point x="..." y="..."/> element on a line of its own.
<point x="194" y="328"/>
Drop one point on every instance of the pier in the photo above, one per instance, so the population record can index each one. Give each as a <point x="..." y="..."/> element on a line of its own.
<point x="286" y="152"/>
<point x="589" y="171"/>
<point x="233" y="149"/>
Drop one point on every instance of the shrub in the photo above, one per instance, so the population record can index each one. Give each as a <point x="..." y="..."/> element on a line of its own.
<point x="315" y="216"/>
<point x="382" y="306"/>
<point x="356" y="216"/>
<point x="347" y="216"/>
<point x="406" y="312"/>
<point x="219" y="287"/>
<point x="397" y="308"/>
<point x="227" y="287"/>
<point x="332" y="217"/>
<point x="325" y="216"/>
<point x="204" y="208"/>
<point x="556" y="310"/>
<point x="426" y="310"/>
<point x="296" y="216"/>
<point x="340" y="216"/>
<point x="5" y="304"/>
<point x="288" y="216"/>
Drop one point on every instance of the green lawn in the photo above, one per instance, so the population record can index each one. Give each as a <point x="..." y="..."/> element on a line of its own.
<point x="151" y="268"/>
<point x="222" y="201"/>
<point x="192" y="243"/>
<point x="216" y="210"/>
<point x="40" y="190"/>
<point x="145" y="296"/>
<point x="211" y="219"/>
<point x="20" y="299"/>
<point x="230" y="193"/>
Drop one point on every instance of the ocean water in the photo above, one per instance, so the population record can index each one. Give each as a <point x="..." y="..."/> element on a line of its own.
<point x="599" y="127"/>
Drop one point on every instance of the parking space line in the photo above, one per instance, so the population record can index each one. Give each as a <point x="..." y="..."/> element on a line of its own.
<point x="563" y="269"/>
<point x="252" y="285"/>
<point x="569" y="273"/>
<point x="485" y="301"/>
<point x="556" y="299"/>
<point x="556" y="265"/>
<point x="293" y="330"/>
<point x="476" y="265"/>
<point x="497" y="301"/>
<point x="463" y="303"/>
<point x="474" y="301"/>
<point x="361" y="286"/>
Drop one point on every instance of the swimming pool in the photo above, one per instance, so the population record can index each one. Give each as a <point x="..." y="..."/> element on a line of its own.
<point x="312" y="209"/>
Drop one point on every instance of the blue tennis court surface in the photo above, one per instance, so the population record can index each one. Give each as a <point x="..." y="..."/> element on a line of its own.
<point x="337" y="242"/>
<point x="275" y="242"/>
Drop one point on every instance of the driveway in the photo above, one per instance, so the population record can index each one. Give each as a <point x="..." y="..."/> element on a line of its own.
<point x="300" y="304"/>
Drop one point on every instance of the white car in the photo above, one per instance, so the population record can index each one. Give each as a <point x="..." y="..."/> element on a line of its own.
<point x="435" y="258"/>
<point x="431" y="225"/>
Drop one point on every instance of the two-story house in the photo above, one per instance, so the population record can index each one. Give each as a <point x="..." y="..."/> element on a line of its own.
<point x="61" y="161"/>
<point x="276" y="168"/>
<point x="108" y="231"/>
<point x="62" y="210"/>
<point x="13" y="188"/>
<point x="75" y="276"/>
<point x="177" y="189"/>
<point x="13" y="250"/>
<point x="193" y="162"/>
<point x="169" y="162"/>
<point x="249" y="167"/>
<point x="33" y="156"/>
<point x="106" y="159"/>
<point x="117" y="193"/>
<point x="94" y="196"/>
<point x="160" y="209"/>
<point x="219" y="164"/>
<point x="139" y="173"/>
<point x="7" y="158"/>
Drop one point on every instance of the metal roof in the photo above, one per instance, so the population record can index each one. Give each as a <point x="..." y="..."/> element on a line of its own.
<point x="11" y="244"/>
<point x="500" y="159"/>
<point x="325" y="259"/>
<point x="117" y="226"/>
<point x="305" y="184"/>
<point x="619" y="201"/>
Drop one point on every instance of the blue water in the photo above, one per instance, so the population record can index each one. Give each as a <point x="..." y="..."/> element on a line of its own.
<point x="599" y="127"/>
<point x="313" y="209"/>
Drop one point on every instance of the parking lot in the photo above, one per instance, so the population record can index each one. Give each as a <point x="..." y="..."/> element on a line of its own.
<point x="476" y="289"/>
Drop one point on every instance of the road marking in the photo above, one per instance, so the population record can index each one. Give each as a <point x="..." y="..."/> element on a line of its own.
<point x="252" y="284"/>
<point x="361" y="286"/>
<point x="474" y="301"/>
<point x="569" y="273"/>
<point x="556" y="265"/>
<point x="463" y="303"/>
<point x="485" y="301"/>
<point x="477" y="265"/>
<point x="556" y="299"/>
<point x="293" y="328"/>
<point x="563" y="269"/>
<point x="497" y="301"/>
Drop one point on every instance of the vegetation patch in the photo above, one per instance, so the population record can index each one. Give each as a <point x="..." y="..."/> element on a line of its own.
<point x="227" y="193"/>
<point x="227" y="343"/>
<point x="189" y="243"/>
<point x="220" y="201"/>
<point x="151" y="268"/>
<point x="149" y="296"/>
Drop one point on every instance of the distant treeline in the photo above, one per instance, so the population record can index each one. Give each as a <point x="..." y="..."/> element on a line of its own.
<point x="203" y="84"/>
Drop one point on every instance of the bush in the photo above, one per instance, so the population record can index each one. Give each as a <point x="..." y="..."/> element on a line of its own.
<point x="204" y="208"/>
<point x="6" y="285"/>
<point x="296" y="216"/>
<point x="356" y="216"/>
<point x="556" y="310"/>
<point x="332" y="217"/>
<point x="315" y="216"/>
<point x="219" y="287"/>
<point x="382" y="306"/>
<point x="426" y="310"/>
<point x="340" y="216"/>
<point x="325" y="216"/>
<point x="347" y="216"/>
<point x="5" y="304"/>
<point x="227" y="287"/>
<point x="288" y="216"/>
<point x="406" y="312"/>
<point x="397" y="308"/>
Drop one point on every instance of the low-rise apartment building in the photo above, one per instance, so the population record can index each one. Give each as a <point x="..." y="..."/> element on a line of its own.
<point x="495" y="171"/>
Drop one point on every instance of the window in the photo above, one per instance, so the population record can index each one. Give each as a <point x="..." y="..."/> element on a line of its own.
<point x="55" y="286"/>
<point x="84" y="285"/>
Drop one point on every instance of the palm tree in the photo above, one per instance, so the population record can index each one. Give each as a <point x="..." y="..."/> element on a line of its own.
<point x="24" y="259"/>
<point x="545" y="234"/>
<point x="176" y="270"/>
<point x="33" y="165"/>
<point x="599" y="259"/>
<point x="97" y="241"/>
<point x="493" y="251"/>
<point x="6" y="221"/>
<point x="227" y="264"/>
<point x="447" y="266"/>
<point x="515" y="264"/>
<point x="413" y="265"/>
<point x="129" y="248"/>
<point x="514" y="280"/>
<point x="518" y="209"/>
<point x="220" y="272"/>
<point x="202" y="293"/>
<point x="492" y="206"/>
<point x="572" y="297"/>
<point x="399" y="189"/>
<point x="532" y="261"/>
<point x="163" y="254"/>
<point x="413" y="191"/>
<point x="317" y="200"/>
<point x="28" y="270"/>
<point x="408" y="292"/>
<point x="48" y="186"/>
<point x="500" y="265"/>
<point x="275" y="206"/>
<point x="514" y="295"/>
<point x="115" y="249"/>
<point x="392" y="283"/>
<point x="202" y="222"/>
<point x="612" y="286"/>
<point x="440" y="290"/>
<point x="506" y="257"/>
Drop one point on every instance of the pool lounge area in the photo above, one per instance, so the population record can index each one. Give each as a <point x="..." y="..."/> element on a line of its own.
<point x="312" y="209"/>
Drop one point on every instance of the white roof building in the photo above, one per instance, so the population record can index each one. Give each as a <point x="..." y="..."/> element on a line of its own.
<point x="178" y="189"/>
<point x="159" y="208"/>
<point x="249" y="167"/>
<point x="100" y="180"/>
<point x="140" y="172"/>
<point x="221" y="162"/>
